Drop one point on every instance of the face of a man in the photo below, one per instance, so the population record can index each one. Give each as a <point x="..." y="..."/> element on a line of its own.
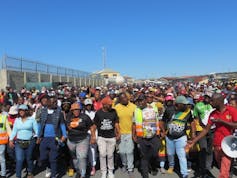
<point x="97" y="95"/>
<point x="44" y="101"/>
<point x="52" y="103"/>
<point x="149" y="99"/>
<point x="123" y="99"/>
<point x="207" y="100"/>
<point x="142" y="103"/>
<point x="107" y="107"/>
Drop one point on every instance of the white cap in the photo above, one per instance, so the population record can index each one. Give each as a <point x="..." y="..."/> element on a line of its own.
<point x="88" y="101"/>
<point x="13" y="110"/>
<point x="98" y="88"/>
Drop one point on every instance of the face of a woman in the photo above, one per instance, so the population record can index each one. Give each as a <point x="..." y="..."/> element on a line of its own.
<point x="22" y="113"/>
<point x="76" y="112"/>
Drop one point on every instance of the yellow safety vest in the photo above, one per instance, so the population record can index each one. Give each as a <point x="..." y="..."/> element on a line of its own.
<point x="3" y="134"/>
<point x="139" y="122"/>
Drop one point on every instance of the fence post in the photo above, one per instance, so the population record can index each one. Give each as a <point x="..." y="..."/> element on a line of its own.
<point x="21" y="64"/>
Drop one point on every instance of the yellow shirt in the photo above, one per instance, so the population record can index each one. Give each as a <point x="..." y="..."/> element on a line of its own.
<point x="125" y="115"/>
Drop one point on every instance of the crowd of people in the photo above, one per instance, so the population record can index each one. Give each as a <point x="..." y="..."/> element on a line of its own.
<point x="146" y="125"/>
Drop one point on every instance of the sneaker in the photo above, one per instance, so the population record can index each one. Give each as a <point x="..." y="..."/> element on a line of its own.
<point x="30" y="175"/>
<point x="190" y="170"/>
<point x="154" y="172"/>
<point x="103" y="175"/>
<point x="93" y="170"/>
<point x="170" y="170"/>
<point x="110" y="174"/>
<point x="78" y="175"/>
<point x="162" y="170"/>
<point x="131" y="174"/>
<point x="48" y="173"/>
<point x="124" y="169"/>
<point x="70" y="172"/>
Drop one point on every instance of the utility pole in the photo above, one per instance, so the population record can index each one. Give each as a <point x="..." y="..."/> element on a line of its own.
<point x="104" y="56"/>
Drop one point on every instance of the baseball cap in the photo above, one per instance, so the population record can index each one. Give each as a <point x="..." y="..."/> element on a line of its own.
<point x="141" y="97"/>
<point x="13" y="110"/>
<point x="88" y="102"/>
<point x="82" y="95"/>
<point x="181" y="100"/>
<point x="107" y="100"/>
<point x="42" y="95"/>
<point x="190" y="101"/>
<point x="23" y="107"/>
<point x="98" y="88"/>
<point x="169" y="98"/>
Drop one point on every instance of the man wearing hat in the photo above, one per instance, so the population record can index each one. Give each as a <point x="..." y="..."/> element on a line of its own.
<point x="12" y="115"/>
<point x="146" y="131"/>
<point x="107" y="123"/>
<point x="176" y="137"/>
<point x="5" y="131"/>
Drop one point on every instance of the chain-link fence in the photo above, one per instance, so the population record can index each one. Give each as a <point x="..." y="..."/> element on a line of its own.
<point x="24" y="65"/>
<point x="19" y="71"/>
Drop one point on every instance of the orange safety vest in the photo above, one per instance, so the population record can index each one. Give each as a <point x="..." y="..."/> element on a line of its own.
<point x="139" y="123"/>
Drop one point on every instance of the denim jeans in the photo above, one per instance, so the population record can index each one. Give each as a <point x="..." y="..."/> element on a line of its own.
<point x="106" y="149"/>
<point x="79" y="152"/>
<point x="177" y="145"/>
<point x="126" y="147"/>
<point x="49" y="151"/>
<point x="21" y="155"/>
<point x="3" y="160"/>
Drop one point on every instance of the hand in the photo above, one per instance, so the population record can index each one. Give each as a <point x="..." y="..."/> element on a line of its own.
<point x="193" y="135"/>
<point x="11" y="144"/>
<point x="163" y="134"/>
<point x="134" y="137"/>
<point x="38" y="141"/>
<point x="190" y="144"/>
<point x="118" y="136"/>
<point x="93" y="140"/>
<point x="216" y="120"/>
<point x="63" y="139"/>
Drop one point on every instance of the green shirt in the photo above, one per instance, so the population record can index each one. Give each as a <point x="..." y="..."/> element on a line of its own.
<point x="200" y="110"/>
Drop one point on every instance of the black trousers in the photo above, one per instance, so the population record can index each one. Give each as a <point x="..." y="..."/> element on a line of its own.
<point x="149" y="149"/>
<point x="206" y="152"/>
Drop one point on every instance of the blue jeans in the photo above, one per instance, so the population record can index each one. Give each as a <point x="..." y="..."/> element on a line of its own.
<point x="21" y="155"/>
<point x="177" y="145"/>
<point x="3" y="160"/>
<point x="49" y="151"/>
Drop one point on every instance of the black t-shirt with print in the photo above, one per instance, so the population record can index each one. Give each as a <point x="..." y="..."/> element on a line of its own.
<point x="176" y="126"/>
<point x="81" y="131"/>
<point x="105" y="122"/>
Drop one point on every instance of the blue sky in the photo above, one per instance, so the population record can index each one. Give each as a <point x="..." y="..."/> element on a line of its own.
<point x="143" y="38"/>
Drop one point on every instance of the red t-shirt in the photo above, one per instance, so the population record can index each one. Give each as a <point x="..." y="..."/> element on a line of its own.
<point x="97" y="105"/>
<point x="221" y="131"/>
